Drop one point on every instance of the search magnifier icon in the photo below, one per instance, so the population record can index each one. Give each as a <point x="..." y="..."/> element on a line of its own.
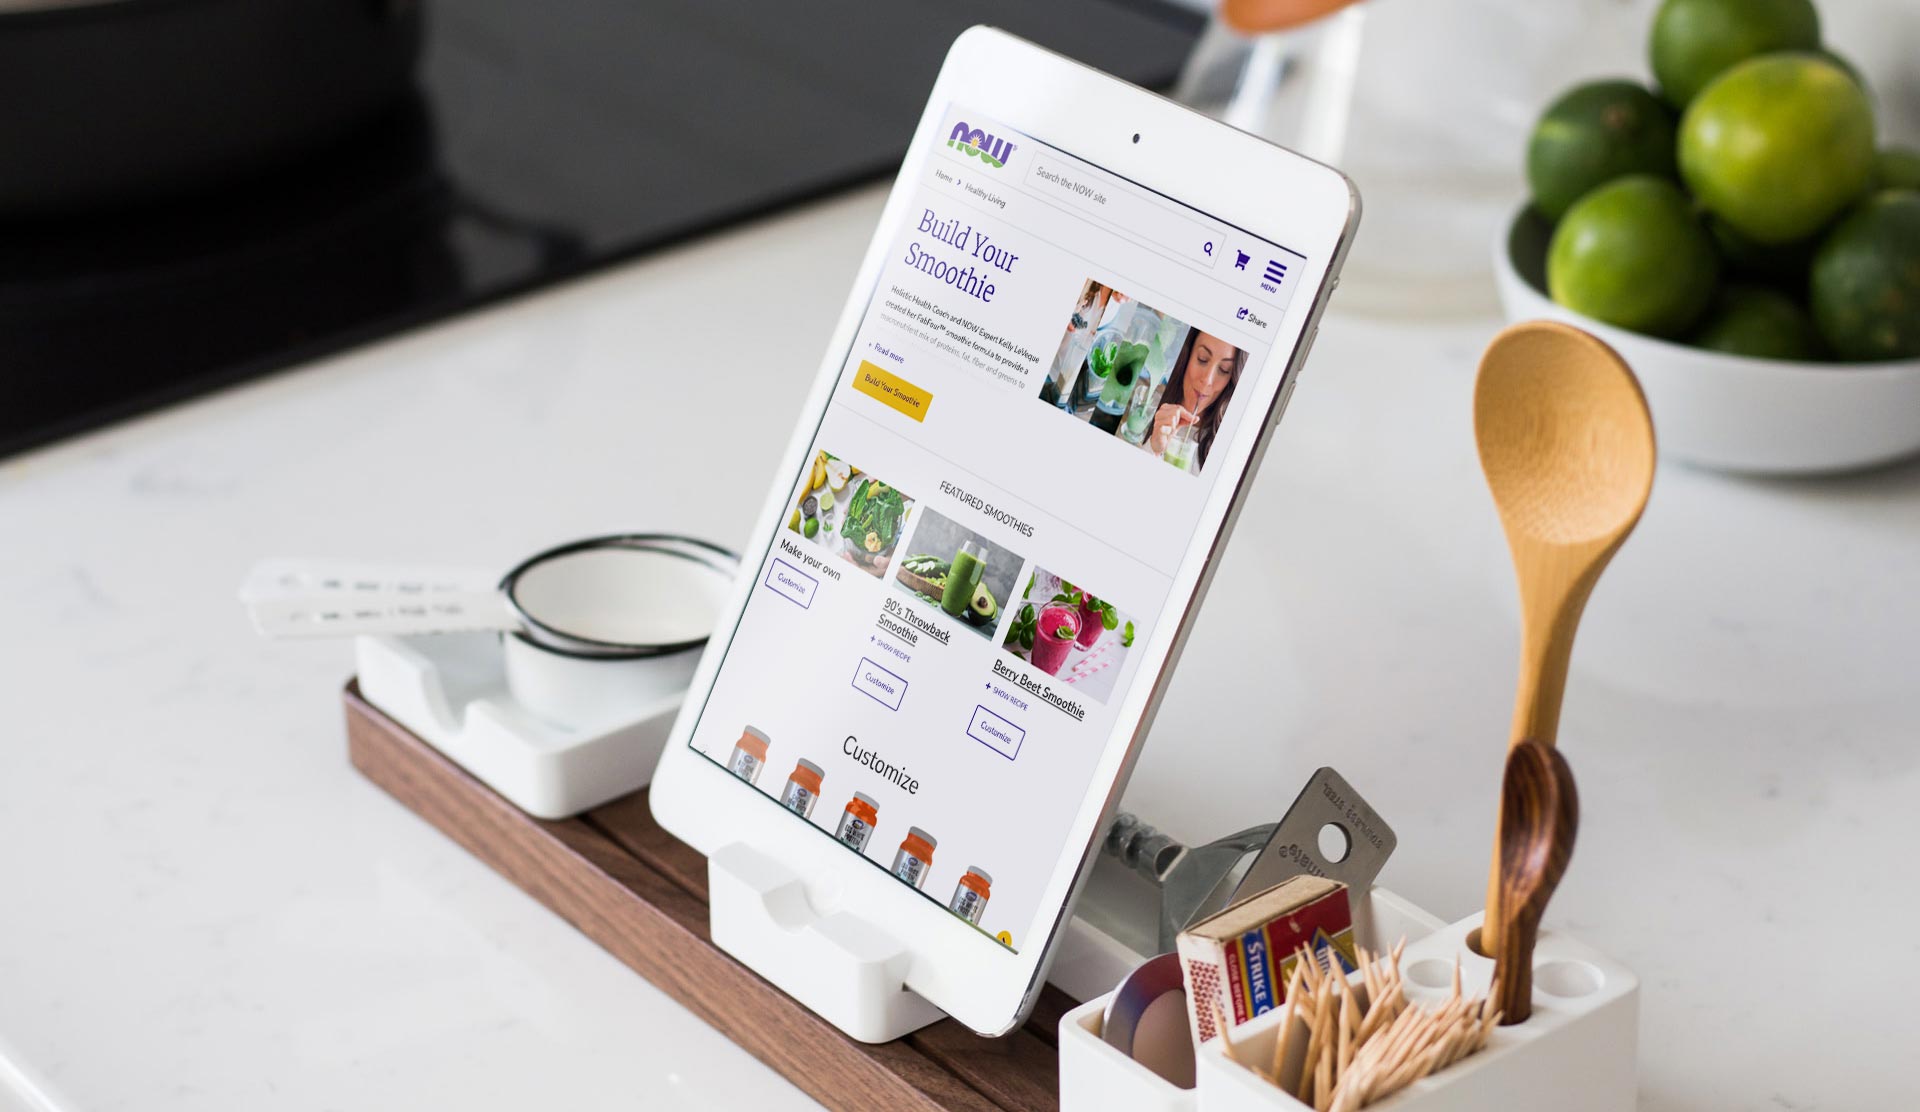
<point x="1208" y="248"/>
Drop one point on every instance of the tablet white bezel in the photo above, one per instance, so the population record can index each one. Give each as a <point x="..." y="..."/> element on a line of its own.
<point x="1043" y="95"/>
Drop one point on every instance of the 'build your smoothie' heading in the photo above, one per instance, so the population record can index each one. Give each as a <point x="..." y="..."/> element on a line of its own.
<point x="964" y="276"/>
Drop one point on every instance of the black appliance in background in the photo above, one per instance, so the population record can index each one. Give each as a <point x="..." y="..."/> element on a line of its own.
<point x="195" y="217"/>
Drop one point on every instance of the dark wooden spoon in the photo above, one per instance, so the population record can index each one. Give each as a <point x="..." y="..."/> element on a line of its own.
<point x="1539" y="815"/>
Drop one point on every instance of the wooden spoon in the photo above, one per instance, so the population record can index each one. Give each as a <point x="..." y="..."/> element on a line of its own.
<point x="1567" y="446"/>
<point x="1539" y="815"/>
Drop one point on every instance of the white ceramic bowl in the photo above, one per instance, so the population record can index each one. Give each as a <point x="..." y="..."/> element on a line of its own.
<point x="1729" y="412"/>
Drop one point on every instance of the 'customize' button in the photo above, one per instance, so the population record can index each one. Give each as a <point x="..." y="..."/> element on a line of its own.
<point x="883" y="686"/>
<point x="996" y="733"/>
<point x="891" y="390"/>
<point x="791" y="583"/>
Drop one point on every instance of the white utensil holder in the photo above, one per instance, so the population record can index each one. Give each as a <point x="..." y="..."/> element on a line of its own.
<point x="1576" y="1053"/>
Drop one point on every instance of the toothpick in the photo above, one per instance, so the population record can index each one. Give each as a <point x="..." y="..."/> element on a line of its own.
<point x="1303" y="1085"/>
<point x="1226" y="1044"/>
<point x="1407" y="1067"/>
<point x="1349" y="1026"/>
<point x="1298" y="981"/>
<point x="1410" y="1036"/>
<point x="1451" y="1046"/>
<point x="1317" y="1043"/>
<point x="1370" y="973"/>
<point x="1280" y="1037"/>
<point x="1366" y="1074"/>
<point x="1488" y="1022"/>
<point x="1366" y="1042"/>
<point x="1380" y="1005"/>
<point x="1281" y="1042"/>
<point x="1315" y="976"/>
<point x="1429" y="1052"/>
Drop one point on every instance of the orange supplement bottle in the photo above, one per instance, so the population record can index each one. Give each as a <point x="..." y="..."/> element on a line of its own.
<point x="803" y="789"/>
<point x="915" y="858"/>
<point x="970" y="895"/>
<point x="749" y="755"/>
<point x="857" y="822"/>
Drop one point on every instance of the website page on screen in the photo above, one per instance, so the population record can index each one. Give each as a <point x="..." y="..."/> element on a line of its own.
<point x="986" y="529"/>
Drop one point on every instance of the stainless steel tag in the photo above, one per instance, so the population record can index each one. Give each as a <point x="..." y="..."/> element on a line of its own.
<point x="1327" y="800"/>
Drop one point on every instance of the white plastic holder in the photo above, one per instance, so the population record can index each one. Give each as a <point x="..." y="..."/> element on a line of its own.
<point x="1576" y="1054"/>
<point x="451" y="691"/>
<point x="846" y="969"/>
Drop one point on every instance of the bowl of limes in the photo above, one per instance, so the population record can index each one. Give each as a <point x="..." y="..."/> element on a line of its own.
<point x="1740" y="233"/>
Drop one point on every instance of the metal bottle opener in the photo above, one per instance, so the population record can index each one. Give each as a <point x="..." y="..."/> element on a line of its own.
<point x="1198" y="881"/>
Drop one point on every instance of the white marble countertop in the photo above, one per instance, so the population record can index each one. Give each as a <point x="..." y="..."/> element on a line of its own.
<point x="203" y="907"/>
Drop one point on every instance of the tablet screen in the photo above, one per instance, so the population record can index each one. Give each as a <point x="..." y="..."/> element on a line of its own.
<point x="1012" y="466"/>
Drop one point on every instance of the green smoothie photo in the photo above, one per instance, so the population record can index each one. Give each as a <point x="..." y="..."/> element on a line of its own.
<point x="963" y="578"/>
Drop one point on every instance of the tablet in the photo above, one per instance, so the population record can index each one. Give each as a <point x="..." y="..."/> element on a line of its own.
<point x="1079" y="319"/>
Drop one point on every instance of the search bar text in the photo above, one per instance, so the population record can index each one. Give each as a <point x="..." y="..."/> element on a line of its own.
<point x="1121" y="207"/>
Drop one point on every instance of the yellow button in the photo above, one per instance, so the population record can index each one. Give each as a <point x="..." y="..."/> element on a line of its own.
<point x="890" y="389"/>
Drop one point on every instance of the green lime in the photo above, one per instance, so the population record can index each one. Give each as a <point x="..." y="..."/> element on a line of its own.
<point x="1778" y="146"/>
<point x="1593" y="134"/>
<point x="1852" y="70"/>
<point x="1695" y="41"/>
<point x="1896" y="168"/>
<point x="1632" y="253"/>
<point x="812" y="527"/>
<point x="1758" y="322"/>
<point x="1779" y="264"/>
<point x="1866" y="279"/>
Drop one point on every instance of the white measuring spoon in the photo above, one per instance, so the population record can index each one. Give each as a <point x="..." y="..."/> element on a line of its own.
<point x="629" y="595"/>
<point x="319" y="598"/>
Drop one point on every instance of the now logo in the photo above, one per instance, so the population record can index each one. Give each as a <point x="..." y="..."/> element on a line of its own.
<point x="994" y="152"/>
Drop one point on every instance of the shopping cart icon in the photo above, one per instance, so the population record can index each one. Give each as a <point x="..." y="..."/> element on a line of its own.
<point x="1241" y="262"/>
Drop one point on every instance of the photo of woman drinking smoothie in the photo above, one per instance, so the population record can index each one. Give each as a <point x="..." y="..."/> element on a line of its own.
<point x="1197" y="393"/>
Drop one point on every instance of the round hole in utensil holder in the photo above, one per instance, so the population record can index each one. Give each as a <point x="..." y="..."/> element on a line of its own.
<point x="1335" y="843"/>
<point x="1568" y="979"/>
<point x="1431" y="973"/>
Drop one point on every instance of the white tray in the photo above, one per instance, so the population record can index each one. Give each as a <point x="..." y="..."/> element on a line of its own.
<point x="1576" y="1054"/>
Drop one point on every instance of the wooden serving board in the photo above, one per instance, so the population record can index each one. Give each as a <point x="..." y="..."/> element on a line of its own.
<point x="921" y="584"/>
<point x="641" y="895"/>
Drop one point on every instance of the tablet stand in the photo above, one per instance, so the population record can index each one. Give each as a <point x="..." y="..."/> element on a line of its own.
<point x="450" y="691"/>
<point x="846" y="969"/>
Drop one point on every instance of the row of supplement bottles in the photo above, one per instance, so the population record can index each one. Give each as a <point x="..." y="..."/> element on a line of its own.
<point x="911" y="862"/>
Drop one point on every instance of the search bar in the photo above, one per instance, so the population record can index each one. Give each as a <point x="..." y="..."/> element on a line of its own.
<point x="1121" y="206"/>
